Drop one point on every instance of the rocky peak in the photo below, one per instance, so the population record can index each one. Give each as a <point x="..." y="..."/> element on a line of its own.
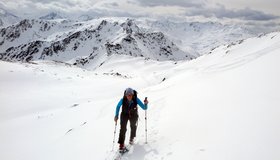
<point x="51" y="16"/>
<point x="130" y="26"/>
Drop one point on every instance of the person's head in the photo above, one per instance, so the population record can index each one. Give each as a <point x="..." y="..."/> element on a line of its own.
<point x="129" y="92"/>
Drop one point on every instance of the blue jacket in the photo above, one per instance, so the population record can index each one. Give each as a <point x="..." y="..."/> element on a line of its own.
<point x="139" y="102"/>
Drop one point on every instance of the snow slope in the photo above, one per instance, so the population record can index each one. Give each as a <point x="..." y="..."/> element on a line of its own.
<point x="223" y="105"/>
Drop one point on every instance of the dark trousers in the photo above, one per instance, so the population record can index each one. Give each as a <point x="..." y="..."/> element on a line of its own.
<point x="133" y="118"/>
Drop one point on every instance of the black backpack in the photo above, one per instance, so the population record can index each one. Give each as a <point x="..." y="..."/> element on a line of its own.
<point x="133" y="108"/>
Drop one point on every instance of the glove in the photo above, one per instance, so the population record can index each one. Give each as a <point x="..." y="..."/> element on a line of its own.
<point x="116" y="119"/>
<point x="146" y="101"/>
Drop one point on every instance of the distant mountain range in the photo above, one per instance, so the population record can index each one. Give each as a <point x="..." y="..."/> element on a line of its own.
<point x="82" y="43"/>
<point x="52" y="16"/>
<point x="89" y="40"/>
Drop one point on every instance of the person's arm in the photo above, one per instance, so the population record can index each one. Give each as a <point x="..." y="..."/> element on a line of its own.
<point x="140" y="103"/>
<point x="118" y="108"/>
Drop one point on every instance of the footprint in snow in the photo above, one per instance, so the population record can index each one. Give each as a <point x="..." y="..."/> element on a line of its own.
<point x="202" y="150"/>
<point x="71" y="129"/>
<point x="74" y="105"/>
<point x="84" y="123"/>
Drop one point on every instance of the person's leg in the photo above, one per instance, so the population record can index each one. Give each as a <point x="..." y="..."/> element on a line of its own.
<point x="123" y="122"/>
<point x="133" y="125"/>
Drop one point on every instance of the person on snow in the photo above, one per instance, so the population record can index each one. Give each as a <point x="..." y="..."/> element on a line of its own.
<point x="129" y="112"/>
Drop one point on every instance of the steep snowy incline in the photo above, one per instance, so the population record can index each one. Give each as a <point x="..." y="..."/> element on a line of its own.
<point x="223" y="105"/>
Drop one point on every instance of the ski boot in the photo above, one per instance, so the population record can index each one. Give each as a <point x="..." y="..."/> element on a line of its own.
<point x="122" y="149"/>
<point x="131" y="141"/>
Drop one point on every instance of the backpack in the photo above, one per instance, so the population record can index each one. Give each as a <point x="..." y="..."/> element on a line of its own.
<point x="133" y="108"/>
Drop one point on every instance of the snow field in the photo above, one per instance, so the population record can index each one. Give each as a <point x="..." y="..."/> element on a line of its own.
<point x="224" y="105"/>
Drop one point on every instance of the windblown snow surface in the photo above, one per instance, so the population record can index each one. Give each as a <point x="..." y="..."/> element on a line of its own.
<point x="220" y="106"/>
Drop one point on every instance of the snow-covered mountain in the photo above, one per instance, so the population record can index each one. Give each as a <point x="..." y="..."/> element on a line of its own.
<point x="200" y="36"/>
<point x="85" y="17"/>
<point x="85" y="42"/>
<point x="7" y="18"/>
<point x="223" y="105"/>
<point x="92" y="41"/>
<point x="52" y="16"/>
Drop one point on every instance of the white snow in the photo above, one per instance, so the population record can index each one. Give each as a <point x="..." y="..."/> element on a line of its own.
<point x="223" y="105"/>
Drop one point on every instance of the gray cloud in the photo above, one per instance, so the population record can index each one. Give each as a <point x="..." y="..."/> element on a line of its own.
<point x="113" y="13"/>
<point x="181" y="3"/>
<point x="35" y="8"/>
<point x="68" y="2"/>
<point x="115" y="4"/>
<point x="202" y="8"/>
<point x="250" y="14"/>
<point x="221" y="12"/>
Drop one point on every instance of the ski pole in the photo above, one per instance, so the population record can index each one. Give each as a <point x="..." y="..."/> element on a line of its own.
<point x="114" y="136"/>
<point x="146" y="123"/>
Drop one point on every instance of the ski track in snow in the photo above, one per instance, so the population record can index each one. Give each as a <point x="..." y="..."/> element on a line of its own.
<point x="224" y="105"/>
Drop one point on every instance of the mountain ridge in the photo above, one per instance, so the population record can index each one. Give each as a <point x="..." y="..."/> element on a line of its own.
<point x="52" y="16"/>
<point x="86" y="42"/>
<point x="83" y="42"/>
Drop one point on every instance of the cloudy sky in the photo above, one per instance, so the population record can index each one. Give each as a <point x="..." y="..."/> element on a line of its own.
<point x="249" y="10"/>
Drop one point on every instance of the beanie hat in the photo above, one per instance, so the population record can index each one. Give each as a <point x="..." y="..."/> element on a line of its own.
<point x="129" y="91"/>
